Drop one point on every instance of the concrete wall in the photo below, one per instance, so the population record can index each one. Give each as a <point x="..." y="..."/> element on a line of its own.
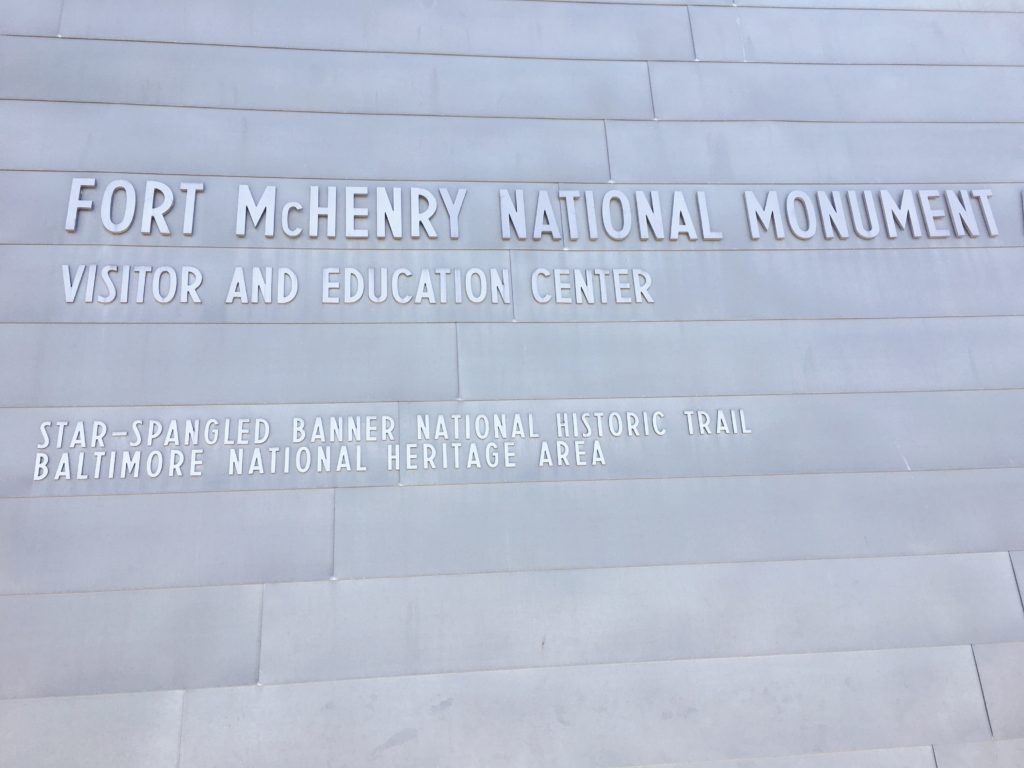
<point x="838" y="585"/>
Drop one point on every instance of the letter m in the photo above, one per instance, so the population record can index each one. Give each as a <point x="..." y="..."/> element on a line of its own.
<point x="249" y="208"/>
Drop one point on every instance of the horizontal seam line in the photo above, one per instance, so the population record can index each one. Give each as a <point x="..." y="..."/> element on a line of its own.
<point x="512" y="57"/>
<point x="454" y="402"/>
<point x="640" y="117"/>
<point x="780" y="563"/>
<point x="342" y="249"/>
<point x="552" y="181"/>
<point x="510" y="320"/>
<point x="597" y="120"/>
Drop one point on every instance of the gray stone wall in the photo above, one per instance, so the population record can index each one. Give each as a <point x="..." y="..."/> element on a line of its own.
<point x="769" y="517"/>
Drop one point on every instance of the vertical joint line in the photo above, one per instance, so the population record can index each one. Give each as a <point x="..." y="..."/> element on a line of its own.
<point x="458" y="365"/>
<point x="981" y="687"/>
<point x="1016" y="582"/>
<point x="693" y="40"/>
<point x="512" y="283"/>
<point x="60" y="18"/>
<point x="181" y="727"/>
<point x="398" y="413"/>
<point x="607" y="151"/>
<point x="739" y="30"/>
<point x="259" y="635"/>
<point x="334" y="533"/>
<point x="935" y="758"/>
<point x="650" y="89"/>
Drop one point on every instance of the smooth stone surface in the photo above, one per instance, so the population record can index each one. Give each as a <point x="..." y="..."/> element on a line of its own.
<point x="410" y="531"/>
<point x="384" y="627"/>
<point x="41" y="17"/>
<point x="55" y="136"/>
<point x="112" y="731"/>
<point x="115" y="365"/>
<point x="321" y="81"/>
<point x="985" y="754"/>
<point x="107" y="642"/>
<point x="837" y="36"/>
<point x="829" y="93"/>
<point x="172" y="540"/>
<point x="458" y="27"/>
<point x="669" y="359"/>
<point x="728" y="708"/>
<point x="890" y="153"/>
<point x="1001" y="667"/>
<point x="907" y="757"/>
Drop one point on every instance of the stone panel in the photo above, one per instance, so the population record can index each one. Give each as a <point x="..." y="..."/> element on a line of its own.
<point x="825" y="92"/>
<point x="990" y="6"/>
<point x="763" y="286"/>
<point x="34" y="205"/>
<point x="464" y="27"/>
<point x="410" y="531"/>
<point x="769" y="706"/>
<point x="536" y="360"/>
<point x="108" y="642"/>
<point x="57" y="136"/>
<point x="321" y="81"/>
<point x="985" y="754"/>
<point x="489" y="286"/>
<point x="1001" y="668"/>
<point x="195" y="449"/>
<point x="917" y="5"/>
<point x="89" y="365"/>
<point x="856" y="36"/>
<point x="385" y="627"/>
<point x="907" y="757"/>
<point x="113" y="731"/>
<point x="329" y="287"/>
<point x="789" y="434"/>
<point x="41" y="17"/>
<point x="794" y="153"/>
<point x="49" y="451"/>
<point x="131" y="542"/>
